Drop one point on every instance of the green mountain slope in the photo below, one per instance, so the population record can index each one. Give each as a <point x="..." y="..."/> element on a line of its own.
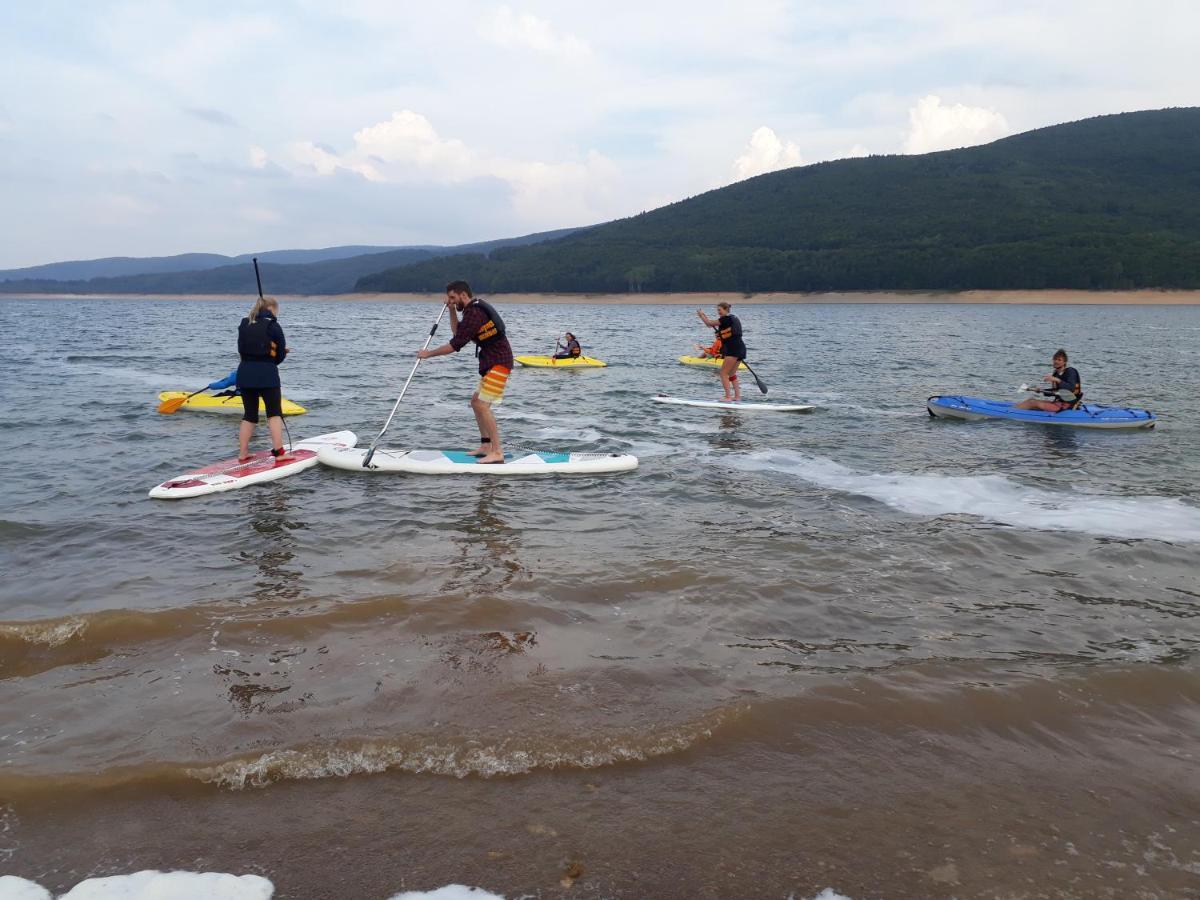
<point x="1109" y="202"/>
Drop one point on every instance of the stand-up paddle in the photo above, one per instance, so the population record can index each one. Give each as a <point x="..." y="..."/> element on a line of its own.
<point x="371" y="450"/>
<point x="257" y="278"/>
<point x="761" y="386"/>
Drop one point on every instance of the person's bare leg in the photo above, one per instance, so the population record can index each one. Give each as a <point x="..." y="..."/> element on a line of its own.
<point x="275" y="424"/>
<point x="244" y="435"/>
<point x="728" y="367"/>
<point x="485" y="447"/>
<point x="489" y="429"/>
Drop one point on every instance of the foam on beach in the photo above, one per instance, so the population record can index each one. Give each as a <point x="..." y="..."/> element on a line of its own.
<point x="151" y="885"/>
<point x="994" y="498"/>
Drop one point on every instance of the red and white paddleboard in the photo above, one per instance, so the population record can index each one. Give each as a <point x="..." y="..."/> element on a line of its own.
<point x="231" y="474"/>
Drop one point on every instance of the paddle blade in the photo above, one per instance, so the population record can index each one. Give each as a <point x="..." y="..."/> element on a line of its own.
<point x="169" y="406"/>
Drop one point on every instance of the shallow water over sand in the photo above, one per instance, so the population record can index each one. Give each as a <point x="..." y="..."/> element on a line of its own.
<point x="856" y="649"/>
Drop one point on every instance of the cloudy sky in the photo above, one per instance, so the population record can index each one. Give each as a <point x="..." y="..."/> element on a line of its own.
<point x="149" y="128"/>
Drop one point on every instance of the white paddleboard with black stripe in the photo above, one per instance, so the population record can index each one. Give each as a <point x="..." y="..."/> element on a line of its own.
<point x="739" y="405"/>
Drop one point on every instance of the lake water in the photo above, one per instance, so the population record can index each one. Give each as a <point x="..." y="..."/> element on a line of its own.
<point x="856" y="649"/>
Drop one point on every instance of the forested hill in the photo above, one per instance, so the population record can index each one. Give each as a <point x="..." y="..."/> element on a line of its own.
<point x="332" y="274"/>
<point x="1111" y="202"/>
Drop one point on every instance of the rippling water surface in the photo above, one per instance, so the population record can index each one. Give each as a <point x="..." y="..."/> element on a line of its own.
<point x="840" y="636"/>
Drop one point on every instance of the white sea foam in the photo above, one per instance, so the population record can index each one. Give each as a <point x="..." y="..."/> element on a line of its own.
<point x="449" y="892"/>
<point x="150" y="885"/>
<point x="995" y="498"/>
<point x="14" y="888"/>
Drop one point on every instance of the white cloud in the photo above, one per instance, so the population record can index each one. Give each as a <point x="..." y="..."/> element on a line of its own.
<point x="409" y="140"/>
<point x="933" y="126"/>
<point x="258" y="215"/>
<point x="407" y="149"/>
<point x="258" y="157"/>
<point x="527" y="32"/>
<point x="765" y="153"/>
<point x="856" y="152"/>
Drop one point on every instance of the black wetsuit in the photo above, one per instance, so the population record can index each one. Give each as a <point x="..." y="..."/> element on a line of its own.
<point x="573" y="351"/>
<point x="262" y="348"/>
<point x="1070" y="382"/>
<point x="729" y="330"/>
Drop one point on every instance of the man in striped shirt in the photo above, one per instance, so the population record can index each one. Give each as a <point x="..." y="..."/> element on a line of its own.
<point x="482" y="325"/>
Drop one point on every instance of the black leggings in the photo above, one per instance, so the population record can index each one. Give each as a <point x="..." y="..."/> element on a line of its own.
<point x="272" y="398"/>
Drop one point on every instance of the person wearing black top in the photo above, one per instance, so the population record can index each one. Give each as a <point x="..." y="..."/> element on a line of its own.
<point x="1065" y="389"/>
<point x="572" y="350"/>
<point x="729" y="330"/>
<point x="262" y="347"/>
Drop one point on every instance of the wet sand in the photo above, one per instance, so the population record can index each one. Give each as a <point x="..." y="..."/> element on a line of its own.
<point x="1049" y="298"/>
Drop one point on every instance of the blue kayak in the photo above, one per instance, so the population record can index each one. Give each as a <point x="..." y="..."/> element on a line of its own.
<point x="1087" y="416"/>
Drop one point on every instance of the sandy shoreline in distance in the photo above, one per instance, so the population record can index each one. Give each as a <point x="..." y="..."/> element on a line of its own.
<point x="1050" y="297"/>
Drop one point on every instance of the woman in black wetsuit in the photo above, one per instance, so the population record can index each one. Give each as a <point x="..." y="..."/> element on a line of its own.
<point x="729" y="329"/>
<point x="262" y="347"/>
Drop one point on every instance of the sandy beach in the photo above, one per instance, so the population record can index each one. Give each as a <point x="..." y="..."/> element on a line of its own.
<point x="1047" y="298"/>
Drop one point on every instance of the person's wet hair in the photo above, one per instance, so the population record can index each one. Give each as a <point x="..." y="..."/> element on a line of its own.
<point x="459" y="287"/>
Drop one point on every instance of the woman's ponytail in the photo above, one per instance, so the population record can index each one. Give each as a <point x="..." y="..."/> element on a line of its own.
<point x="259" y="305"/>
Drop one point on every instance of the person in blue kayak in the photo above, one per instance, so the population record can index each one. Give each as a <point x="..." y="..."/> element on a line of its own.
<point x="728" y="328"/>
<point x="262" y="347"/>
<point x="1064" y="388"/>
<point x="227" y="385"/>
<point x="570" y="350"/>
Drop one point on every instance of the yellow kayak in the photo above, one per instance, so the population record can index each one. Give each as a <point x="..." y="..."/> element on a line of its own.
<point x="705" y="361"/>
<point x="211" y="403"/>
<point x="549" y="362"/>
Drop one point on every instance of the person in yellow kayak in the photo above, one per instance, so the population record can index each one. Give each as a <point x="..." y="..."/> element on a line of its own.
<point x="262" y="347"/>
<point x="713" y="351"/>
<point x="728" y="328"/>
<point x="482" y="324"/>
<point x="570" y="350"/>
<point x="227" y="386"/>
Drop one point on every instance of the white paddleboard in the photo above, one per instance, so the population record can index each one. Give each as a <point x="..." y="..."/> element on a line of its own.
<point x="230" y="474"/>
<point x="740" y="406"/>
<point x="461" y="462"/>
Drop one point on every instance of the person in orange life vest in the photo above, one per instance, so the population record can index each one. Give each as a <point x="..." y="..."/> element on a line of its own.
<point x="711" y="352"/>
<point x="729" y="330"/>
<point x="482" y="325"/>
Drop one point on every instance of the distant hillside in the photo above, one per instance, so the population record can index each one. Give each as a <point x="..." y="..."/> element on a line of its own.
<point x="1111" y="202"/>
<point x="115" y="266"/>
<point x="336" y="275"/>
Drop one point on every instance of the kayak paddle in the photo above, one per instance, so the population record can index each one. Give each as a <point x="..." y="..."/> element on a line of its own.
<point x="371" y="450"/>
<point x="170" y="406"/>
<point x="762" y="387"/>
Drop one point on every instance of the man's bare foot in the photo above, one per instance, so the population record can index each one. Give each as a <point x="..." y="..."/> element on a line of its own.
<point x="491" y="458"/>
<point x="484" y="450"/>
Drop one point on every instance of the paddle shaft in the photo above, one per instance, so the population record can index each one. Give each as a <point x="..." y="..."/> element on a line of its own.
<point x="403" y="390"/>
<point x="762" y="387"/>
<point x="258" y="278"/>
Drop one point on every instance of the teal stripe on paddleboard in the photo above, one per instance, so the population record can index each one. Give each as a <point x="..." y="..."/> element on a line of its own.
<point x="463" y="458"/>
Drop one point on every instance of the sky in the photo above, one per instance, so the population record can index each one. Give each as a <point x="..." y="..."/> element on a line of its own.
<point x="151" y="128"/>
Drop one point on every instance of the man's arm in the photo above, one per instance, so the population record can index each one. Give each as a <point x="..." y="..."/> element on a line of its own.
<point x="462" y="336"/>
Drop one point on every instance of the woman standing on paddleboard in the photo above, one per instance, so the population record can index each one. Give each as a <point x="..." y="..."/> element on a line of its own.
<point x="729" y="331"/>
<point x="262" y="347"/>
